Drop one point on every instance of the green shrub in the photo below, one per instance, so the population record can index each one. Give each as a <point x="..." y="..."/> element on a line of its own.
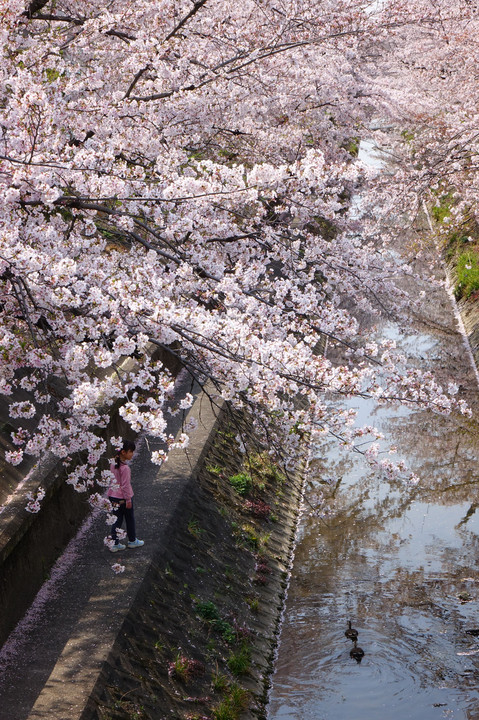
<point x="352" y="146"/>
<point x="407" y="135"/>
<point x="242" y="483"/>
<point x="214" y="469"/>
<point x="264" y="469"/>
<point x="442" y="210"/>
<point x="179" y="668"/>
<point x="250" y="537"/>
<point x="455" y="243"/>
<point x="226" y="630"/>
<point x="195" y="529"/>
<point x="234" y="703"/>
<point x="207" y="610"/>
<point x="239" y="662"/>
<point x="253" y="604"/>
<point x="219" y="682"/>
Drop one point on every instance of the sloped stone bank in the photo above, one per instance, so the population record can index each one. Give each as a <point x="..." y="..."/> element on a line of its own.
<point x="467" y="309"/>
<point x="30" y="544"/>
<point x="199" y="641"/>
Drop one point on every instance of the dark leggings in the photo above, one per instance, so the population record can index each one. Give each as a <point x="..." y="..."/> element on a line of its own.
<point x="121" y="511"/>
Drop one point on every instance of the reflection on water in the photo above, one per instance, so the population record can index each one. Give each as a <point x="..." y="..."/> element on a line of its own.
<point x="370" y="154"/>
<point x="400" y="562"/>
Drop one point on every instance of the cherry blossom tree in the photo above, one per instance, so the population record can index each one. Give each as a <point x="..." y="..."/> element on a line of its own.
<point x="179" y="175"/>
<point x="428" y="83"/>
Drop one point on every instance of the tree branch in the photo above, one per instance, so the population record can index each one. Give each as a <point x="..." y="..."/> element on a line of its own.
<point x="33" y="13"/>
<point x="135" y="80"/>
<point x="198" y="4"/>
<point x="120" y="34"/>
<point x="34" y="7"/>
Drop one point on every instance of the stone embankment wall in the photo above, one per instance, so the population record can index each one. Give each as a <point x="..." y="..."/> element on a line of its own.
<point x="30" y="544"/>
<point x="467" y="309"/>
<point x="200" y="637"/>
<point x="469" y="312"/>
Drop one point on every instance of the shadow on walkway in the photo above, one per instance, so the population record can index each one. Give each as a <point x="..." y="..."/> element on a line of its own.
<point x="51" y="661"/>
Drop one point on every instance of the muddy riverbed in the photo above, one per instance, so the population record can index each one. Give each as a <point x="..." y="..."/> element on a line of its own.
<point x="400" y="562"/>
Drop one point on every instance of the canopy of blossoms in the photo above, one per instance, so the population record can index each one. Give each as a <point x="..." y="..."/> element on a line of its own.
<point x="178" y="175"/>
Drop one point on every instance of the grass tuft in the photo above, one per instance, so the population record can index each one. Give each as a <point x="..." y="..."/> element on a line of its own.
<point x="234" y="703"/>
<point x="467" y="270"/>
<point x="239" y="662"/>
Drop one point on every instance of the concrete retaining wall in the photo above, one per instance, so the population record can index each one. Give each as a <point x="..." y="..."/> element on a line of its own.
<point x="31" y="543"/>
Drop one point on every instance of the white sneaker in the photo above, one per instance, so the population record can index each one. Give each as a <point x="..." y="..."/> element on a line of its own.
<point x="117" y="547"/>
<point x="135" y="543"/>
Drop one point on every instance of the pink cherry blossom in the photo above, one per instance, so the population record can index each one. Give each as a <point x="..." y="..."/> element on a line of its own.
<point x="178" y="183"/>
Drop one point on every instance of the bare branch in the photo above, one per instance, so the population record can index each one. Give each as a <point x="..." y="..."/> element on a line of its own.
<point x="122" y="35"/>
<point x="232" y="238"/>
<point x="34" y="7"/>
<point x="33" y="13"/>
<point x="135" y="80"/>
<point x="198" y="4"/>
<point x="58" y="18"/>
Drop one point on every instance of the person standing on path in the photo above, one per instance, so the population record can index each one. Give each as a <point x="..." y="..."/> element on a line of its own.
<point x="120" y="495"/>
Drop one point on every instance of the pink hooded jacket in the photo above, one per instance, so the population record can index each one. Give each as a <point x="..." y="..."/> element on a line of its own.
<point x="121" y="485"/>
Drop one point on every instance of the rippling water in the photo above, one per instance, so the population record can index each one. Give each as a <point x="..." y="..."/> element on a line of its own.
<point x="401" y="563"/>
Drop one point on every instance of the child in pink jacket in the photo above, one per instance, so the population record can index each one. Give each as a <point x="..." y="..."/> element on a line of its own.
<point x="120" y="494"/>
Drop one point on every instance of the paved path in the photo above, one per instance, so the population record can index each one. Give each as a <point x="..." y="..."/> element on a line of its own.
<point x="51" y="661"/>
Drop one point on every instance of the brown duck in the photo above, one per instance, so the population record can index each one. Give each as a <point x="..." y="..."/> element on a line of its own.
<point x="356" y="652"/>
<point x="351" y="633"/>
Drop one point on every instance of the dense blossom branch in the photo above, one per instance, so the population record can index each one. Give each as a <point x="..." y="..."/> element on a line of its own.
<point x="215" y="223"/>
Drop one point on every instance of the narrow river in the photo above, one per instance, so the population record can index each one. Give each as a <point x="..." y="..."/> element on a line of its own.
<point x="400" y="562"/>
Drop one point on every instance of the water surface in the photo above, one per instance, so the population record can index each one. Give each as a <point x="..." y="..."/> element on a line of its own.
<point x="400" y="562"/>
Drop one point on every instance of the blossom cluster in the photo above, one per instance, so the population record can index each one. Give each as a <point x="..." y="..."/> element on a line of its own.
<point x="34" y="500"/>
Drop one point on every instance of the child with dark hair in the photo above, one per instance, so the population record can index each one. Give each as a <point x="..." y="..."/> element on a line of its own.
<point x="120" y="495"/>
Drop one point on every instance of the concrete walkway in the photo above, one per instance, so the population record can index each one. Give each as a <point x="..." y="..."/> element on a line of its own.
<point x="52" y="660"/>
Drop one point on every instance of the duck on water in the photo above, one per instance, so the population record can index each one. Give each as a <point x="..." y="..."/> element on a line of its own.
<point x="356" y="652"/>
<point x="351" y="633"/>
